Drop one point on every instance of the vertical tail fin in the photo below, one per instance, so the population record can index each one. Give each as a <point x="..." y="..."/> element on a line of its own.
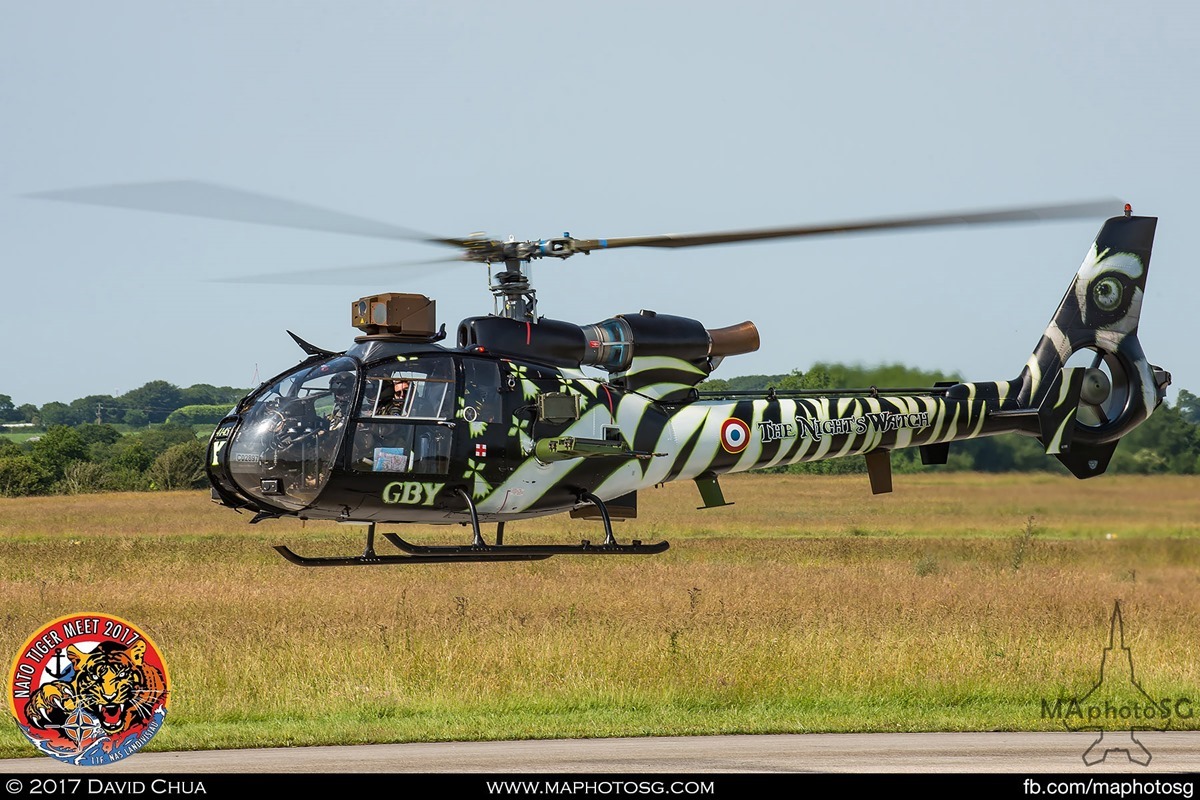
<point x="1098" y="318"/>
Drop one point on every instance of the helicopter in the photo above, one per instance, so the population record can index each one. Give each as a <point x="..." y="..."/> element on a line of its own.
<point x="526" y="416"/>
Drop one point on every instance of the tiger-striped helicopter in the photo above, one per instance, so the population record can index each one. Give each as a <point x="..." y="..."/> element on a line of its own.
<point x="526" y="416"/>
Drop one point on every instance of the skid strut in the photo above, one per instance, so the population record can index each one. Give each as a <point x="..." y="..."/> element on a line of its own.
<point x="479" y="550"/>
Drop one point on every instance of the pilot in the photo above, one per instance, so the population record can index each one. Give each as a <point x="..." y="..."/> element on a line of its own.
<point x="393" y="395"/>
<point x="342" y="386"/>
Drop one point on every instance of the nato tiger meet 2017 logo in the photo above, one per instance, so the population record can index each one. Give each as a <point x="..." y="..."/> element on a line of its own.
<point x="89" y="689"/>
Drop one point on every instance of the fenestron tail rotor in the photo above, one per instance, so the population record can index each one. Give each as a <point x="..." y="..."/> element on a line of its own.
<point x="1105" y="391"/>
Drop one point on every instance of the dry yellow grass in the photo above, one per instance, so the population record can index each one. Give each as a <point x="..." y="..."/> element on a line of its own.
<point x="809" y="605"/>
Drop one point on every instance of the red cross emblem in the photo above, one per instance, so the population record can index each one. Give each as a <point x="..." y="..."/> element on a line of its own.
<point x="481" y="451"/>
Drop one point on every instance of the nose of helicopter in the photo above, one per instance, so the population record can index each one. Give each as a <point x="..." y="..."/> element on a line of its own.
<point x="282" y="451"/>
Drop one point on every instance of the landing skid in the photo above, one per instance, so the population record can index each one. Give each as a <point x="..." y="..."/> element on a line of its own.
<point x="517" y="552"/>
<point x="479" y="550"/>
<point x="371" y="557"/>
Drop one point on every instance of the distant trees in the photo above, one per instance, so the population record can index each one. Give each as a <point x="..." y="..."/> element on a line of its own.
<point x="56" y="413"/>
<point x="180" y="466"/>
<point x="136" y="418"/>
<point x="1167" y="442"/>
<point x="157" y="398"/>
<point x="152" y="403"/>
<point x="57" y="448"/>
<point x="203" y="394"/>
<point x="91" y="457"/>
<point x="8" y="412"/>
<point x="198" y="414"/>
<point x="1189" y="406"/>
<point x="81" y="450"/>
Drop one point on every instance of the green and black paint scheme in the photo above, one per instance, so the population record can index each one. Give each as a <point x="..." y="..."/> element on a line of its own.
<point x="544" y="417"/>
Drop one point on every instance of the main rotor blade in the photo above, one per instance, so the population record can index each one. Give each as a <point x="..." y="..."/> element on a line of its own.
<point x="1091" y="208"/>
<point x="339" y="276"/>
<point x="199" y="199"/>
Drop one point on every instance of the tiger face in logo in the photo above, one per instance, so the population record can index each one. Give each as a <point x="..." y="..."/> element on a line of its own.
<point x="112" y="683"/>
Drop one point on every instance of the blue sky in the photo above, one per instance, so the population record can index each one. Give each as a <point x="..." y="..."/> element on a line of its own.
<point x="605" y="120"/>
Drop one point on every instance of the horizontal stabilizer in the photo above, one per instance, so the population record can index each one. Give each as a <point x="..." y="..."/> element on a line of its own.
<point x="1053" y="422"/>
<point x="1056" y="415"/>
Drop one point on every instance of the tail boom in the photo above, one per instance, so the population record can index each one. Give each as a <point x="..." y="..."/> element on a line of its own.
<point x="1078" y="412"/>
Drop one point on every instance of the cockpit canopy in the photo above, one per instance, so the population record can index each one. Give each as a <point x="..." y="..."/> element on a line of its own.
<point x="292" y="430"/>
<point x="391" y="415"/>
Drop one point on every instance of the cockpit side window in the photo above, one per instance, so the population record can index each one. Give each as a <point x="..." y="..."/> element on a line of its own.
<point x="481" y="395"/>
<point x="416" y="388"/>
<point x="401" y="417"/>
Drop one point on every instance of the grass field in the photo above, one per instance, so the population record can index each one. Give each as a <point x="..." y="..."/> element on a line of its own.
<point x="958" y="603"/>
<point x="18" y="438"/>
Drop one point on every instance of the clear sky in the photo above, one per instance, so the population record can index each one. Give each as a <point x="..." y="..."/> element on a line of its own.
<point x="602" y="119"/>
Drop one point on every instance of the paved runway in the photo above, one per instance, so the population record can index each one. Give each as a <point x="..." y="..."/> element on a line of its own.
<point x="1170" y="752"/>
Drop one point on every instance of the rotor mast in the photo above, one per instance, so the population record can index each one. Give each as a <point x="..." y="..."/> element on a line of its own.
<point x="513" y="296"/>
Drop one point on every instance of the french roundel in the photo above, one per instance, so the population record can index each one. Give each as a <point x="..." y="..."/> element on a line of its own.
<point x="735" y="435"/>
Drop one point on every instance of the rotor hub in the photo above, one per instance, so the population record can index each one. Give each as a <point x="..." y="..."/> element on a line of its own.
<point x="1096" y="387"/>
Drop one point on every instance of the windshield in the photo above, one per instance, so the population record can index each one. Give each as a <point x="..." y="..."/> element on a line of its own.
<point x="289" y="437"/>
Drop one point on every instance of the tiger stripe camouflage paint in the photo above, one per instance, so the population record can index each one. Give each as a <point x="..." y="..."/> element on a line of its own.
<point x="1100" y="310"/>
<point x="687" y="439"/>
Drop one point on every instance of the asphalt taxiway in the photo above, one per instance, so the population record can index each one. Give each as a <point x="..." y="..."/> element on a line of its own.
<point x="1167" y="752"/>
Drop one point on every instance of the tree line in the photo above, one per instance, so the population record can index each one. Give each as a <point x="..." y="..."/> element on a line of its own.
<point x="143" y="440"/>
<point x="154" y="403"/>
<point x="93" y="458"/>
<point x="72" y="453"/>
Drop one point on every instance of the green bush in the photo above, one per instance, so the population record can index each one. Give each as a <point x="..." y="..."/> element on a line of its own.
<point x="83" y="477"/>
<point x="180" y="467"/>
<point x="21" y="475"/>
<point x="57" y="448"/>
<point x="198" y="415"/>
